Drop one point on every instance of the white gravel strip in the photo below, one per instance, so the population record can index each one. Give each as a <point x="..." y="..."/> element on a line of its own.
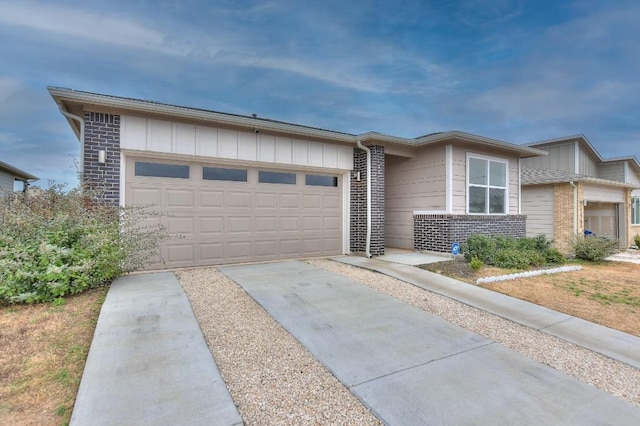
<point x="609" y="375"/>
<point x="272" y="378"/>
<point x="527" y="274"/>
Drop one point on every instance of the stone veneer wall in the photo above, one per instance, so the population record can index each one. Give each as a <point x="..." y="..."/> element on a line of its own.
<point x="358" y="202"/>
<point x="438" y="232"/>
<point x="563" y="216"/>
<point x="102" y="131"/>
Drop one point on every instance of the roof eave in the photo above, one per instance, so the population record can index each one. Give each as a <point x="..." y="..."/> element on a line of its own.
<point x="17" y="173"/>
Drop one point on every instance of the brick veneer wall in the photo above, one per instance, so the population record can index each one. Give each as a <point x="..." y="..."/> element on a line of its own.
<point x="102" y="131"/>
<point x="358" y="202"/>
<point x="437" y="232"/>
<point x="563" y="216"/>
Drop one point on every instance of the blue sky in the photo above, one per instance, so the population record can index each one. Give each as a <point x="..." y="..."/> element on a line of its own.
<point x="514" y="70"/>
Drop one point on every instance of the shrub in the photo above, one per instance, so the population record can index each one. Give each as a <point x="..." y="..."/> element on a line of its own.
<point x="509" y="252"/>
<point x="476" y="264"/>
<point x="59" y="243"/>
<point x="636" y="239"/>
<point x="595" y="248"/>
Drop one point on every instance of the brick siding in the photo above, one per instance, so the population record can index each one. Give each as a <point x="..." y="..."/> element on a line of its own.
<point x="358" y="201"/>
<point x="102" y="131"/>
<point x="437" y="232"/>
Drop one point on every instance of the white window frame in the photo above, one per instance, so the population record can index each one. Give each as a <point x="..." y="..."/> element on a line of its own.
<point x="488" y="158"/>
<point x="635" y="210"/>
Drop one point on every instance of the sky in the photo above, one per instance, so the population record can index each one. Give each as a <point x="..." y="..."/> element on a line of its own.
<point x="514" y="70"/>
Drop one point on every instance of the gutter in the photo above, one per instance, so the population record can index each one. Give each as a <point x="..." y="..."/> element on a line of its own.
<point x="81" y="121"/>
<point x="367" y="249"/>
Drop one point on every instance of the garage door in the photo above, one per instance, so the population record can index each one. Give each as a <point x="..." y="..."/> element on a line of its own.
<point x="230" y="214"/>
<point x="601" y="219"/>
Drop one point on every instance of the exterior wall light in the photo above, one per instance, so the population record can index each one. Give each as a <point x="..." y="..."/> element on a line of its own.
<point x="102" y="156"/>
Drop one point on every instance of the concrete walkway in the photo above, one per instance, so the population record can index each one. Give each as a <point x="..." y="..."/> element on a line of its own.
<point x="603" y="340"/>
<point x="410" y="367"/>
<point x="149" y="363"/>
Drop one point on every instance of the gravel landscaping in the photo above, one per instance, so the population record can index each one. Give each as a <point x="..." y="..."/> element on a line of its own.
<point x="275" y="380"/>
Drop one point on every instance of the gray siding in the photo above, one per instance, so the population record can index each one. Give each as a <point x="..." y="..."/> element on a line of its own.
<point x="633" y="177"/>
<point x="612" y="171"/>
<point x="537" y="205"/>
<point x="410" y="185"/>
<point x="561" y="157"/>
<point x="6" y="182"/>
<point x="587" y="165"/>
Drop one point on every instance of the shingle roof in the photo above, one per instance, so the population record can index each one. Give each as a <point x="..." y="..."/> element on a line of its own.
<point x="534" y="176"/>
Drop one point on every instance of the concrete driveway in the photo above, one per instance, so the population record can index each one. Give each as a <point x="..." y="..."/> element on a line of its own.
<point x="410" y="367"/>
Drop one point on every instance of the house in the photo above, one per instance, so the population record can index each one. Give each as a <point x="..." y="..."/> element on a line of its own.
<point x="246" y="188"/>
<point x="10" y="174"/>
<point x="573" y="190"/>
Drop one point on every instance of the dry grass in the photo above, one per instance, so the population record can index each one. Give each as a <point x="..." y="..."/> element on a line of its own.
<point x="44" y="349"/>
<point x="606" y="293"/>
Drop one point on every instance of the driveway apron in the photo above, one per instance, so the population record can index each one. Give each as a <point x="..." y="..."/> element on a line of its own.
<point x="410" y="367"/>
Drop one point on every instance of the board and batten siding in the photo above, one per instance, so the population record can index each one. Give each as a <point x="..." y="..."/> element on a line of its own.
<point x="6" y="183"/>
<point x="561" y="157"/>
<point x="412" y="184"/>
<point x="537" y="204"/>
<point x="586" y="164"/>
<point x="633" y="177"/>
<point x="603" y="194"/>
<point x="146" y="134"/>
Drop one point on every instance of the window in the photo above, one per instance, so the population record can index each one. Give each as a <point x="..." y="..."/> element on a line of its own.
<point x="635" y="210"/>
<point x="162" y="170"/>
<point x="277" y="177"/>
<point x="217" y="173"/>
<point x="316" y="180"/>
<point x="487" y="186"/>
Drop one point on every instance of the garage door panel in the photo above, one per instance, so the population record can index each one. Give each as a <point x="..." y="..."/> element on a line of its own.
<point x="266" y="201"/>
<point x="179" y="198"/>
<point x="229" y="221"/>
<point x="266" y="224"/>
<point x="180" y="253"/>
<point x="311" y="201"/>
<point x="239" y="199"/>
<point x="331" y="202"/>
<point x="212" y="252"/>
<point x="289" y="223"/>
<point x="181" y="225"/>
<point x="239" y="225"/>
<point x="145" y="196"/>
<point x="239" y="251"/>
<point x="288" y="201"/>
<point x="211" y="226"/>
<point x="311" y="224"/>
<point x="211" y="199"/>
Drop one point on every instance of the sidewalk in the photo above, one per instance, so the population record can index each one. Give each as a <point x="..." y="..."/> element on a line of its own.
<point x="149" y="363"/>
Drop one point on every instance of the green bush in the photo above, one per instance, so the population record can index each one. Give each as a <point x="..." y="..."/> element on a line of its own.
<point x="594" y="248"/>
<point x="636" y="239"/>
<point x="58" y="243"/>
<point x="509" y="252"/>
<point x="476" y="264"/>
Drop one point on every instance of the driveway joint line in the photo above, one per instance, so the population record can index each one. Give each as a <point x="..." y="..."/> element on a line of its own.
<point x="424" y="363"/>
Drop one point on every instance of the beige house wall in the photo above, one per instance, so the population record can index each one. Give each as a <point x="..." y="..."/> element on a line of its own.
<point x="537" y="203"/>
<point x="6" y="183"/>
<point x="412" y="185"/>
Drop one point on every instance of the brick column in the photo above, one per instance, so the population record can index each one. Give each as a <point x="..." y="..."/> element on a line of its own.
<point x="563" y="211"/>
<point x="358" y="202"/>
<point x="102" y="132"/>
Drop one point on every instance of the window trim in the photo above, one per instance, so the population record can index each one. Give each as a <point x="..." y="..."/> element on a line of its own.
<point x="488" y="159"/>
<point x="635" y="210"/>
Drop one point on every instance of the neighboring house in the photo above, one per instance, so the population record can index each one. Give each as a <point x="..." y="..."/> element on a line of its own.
<point x="574" y="189"/>
<point x="243" y="188"/>
<point x="10" y="174"/>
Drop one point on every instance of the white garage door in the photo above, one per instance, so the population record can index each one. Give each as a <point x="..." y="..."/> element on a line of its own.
<point x="231" y="214"/>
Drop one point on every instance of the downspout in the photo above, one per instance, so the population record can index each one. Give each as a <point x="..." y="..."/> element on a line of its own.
<point x="81" y="121"/>
<point x="367" y="247"/>
<point x="575" y="207"/>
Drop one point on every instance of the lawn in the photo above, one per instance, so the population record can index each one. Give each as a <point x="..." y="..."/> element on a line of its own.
<point x="44" y="349"/>
<point x="606" y="293"/>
